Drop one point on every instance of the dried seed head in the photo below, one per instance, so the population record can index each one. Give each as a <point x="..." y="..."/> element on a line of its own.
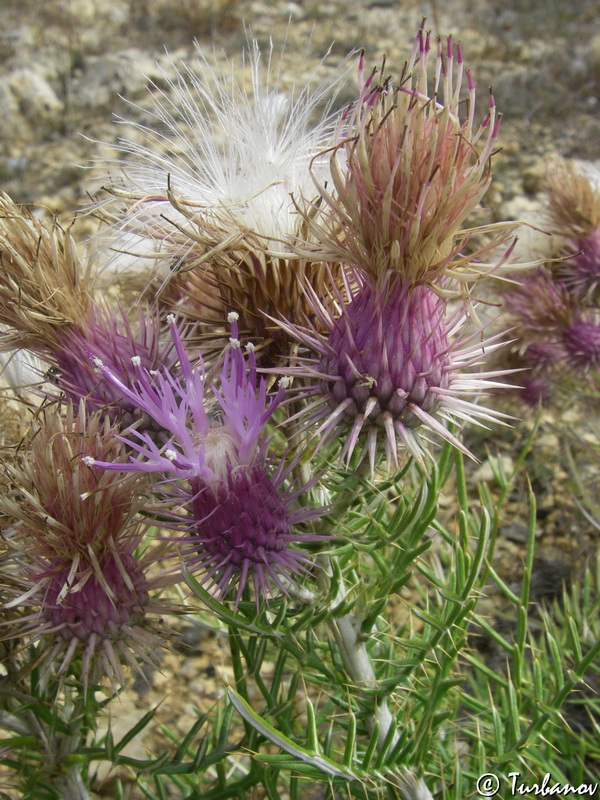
<point x="220" y="208"/>
<point x="44" y="289"/>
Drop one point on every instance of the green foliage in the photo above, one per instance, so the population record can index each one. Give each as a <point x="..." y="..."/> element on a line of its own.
<point x="400" y="591"/>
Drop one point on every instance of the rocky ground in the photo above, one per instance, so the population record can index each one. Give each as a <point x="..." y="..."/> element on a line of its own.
<point x="67" y="67"/>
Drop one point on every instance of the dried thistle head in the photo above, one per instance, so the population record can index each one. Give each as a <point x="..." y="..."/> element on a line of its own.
<point x="217" y="206"/>
<point x="264" y="286"/>
<point x="75" y="573"/>
<point x="43" y="286"/>
<point x="409" y="167"/>
<point x="573" y="201"/>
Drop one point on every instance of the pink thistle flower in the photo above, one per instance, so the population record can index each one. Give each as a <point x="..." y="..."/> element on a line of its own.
<point x="112" y="341"/>
<point x="535" y="389"/>
<point x="407" y="171"/>
<point x="240" y="506"/>
<point x="388" y="366"/>
<point x="581" y="340"/>
<point x="539" y="303"/>
<point x="75" y="568"/>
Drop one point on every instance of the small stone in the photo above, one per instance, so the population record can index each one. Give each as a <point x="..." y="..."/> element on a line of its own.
<point x="36" y="98"/>
<point x="485" y="473"/>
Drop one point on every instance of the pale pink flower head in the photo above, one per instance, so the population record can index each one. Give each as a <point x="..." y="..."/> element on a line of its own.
<point x="77" y="577"/>
<point x="240" y="507"/>
<point x="107" y="338"/>
<point x="410" y="166"/>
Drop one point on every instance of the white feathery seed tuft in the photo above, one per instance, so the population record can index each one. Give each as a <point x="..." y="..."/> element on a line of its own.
<point x="230" y="146"/>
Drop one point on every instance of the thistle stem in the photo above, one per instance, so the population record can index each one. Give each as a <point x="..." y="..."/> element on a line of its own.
<point x="351" y="644"/>
<point x="357" y="664"/>
<point x="71" y="786"/>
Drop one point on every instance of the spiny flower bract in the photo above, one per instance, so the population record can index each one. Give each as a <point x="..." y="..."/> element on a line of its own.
<point x="390" y="366"/>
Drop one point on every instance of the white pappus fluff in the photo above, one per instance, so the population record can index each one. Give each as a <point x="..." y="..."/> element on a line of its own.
<point x="230" y="147"/>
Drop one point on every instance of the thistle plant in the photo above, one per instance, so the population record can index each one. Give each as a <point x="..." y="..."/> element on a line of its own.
<point x="555" y="308"/>
<point x="268" y="457"/>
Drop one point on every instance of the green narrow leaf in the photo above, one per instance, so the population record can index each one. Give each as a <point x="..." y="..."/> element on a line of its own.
<point x="350" y="748"/>
<point x="372" y="746"/>
<point x="313" y="728"/>
<point x="574" y="637"/>
<point x="109" y="744"/>
<point x="191" y="734"/>
<point x="555" y="660"/>
<point x="322" y="763"/>
<point x="139" y="726"/>
<point x="513" y="708"/>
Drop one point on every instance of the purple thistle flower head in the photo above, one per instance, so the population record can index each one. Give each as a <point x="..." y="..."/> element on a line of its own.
<point x="581" y="340"/>
<point x="581" y="272"/>
<point x="240" y="507"/>
<point x="535" y="389"/>
<point x="388" y="366"/>
<point x="74" y="566"/>
<point x="540" y="303"/>
<point x="109" y="337"/>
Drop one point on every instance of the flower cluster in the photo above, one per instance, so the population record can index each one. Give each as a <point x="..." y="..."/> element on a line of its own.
<point x="345" y="247"/>
<point x="555" y="308"/>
